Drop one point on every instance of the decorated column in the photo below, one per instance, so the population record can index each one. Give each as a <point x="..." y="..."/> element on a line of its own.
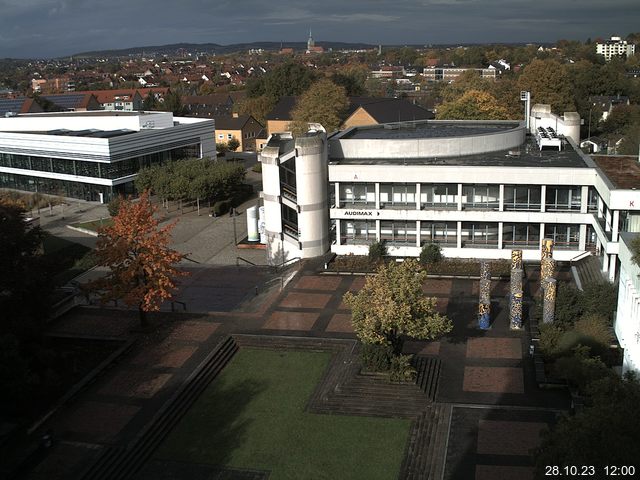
<point x="547" y="271"/>
<point x="515" y="311"/>
<point x="484" y="308"/>
<point x="516" y="260"/>
<point x="549" y="305"/>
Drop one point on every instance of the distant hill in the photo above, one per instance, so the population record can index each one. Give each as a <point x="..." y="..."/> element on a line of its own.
<point x="218" y="49"/>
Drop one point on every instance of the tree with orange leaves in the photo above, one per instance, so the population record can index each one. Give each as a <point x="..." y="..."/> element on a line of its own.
<point x="142" y="266"/>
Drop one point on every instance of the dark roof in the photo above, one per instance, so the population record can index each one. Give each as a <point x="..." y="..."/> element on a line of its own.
<point x="624" y="172"/>
<point x="283" y="109"/>
<point x="69" y="101"/>
<point x="11" y="105"/>
<point x="388" y="110"/>
<point x="228" y="122"/>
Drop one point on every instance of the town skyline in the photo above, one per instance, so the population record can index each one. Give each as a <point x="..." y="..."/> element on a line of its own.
<point x="50" y="29"/>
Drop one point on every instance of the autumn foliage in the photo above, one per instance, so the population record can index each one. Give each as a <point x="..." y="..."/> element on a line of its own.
<point x="392" y="305"/>
<point x="142" y="267"/>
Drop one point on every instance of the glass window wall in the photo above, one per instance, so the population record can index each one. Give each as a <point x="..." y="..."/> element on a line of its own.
<point x="442" y="233"/>
<point x="522" y="197"/>
<point x="481" y="197"/>
<point x="565" y="236"/>
<point x="563" y="198"/>
<point x="357" y="232"/>
<point x="479" y="234"/>
<point x="358" y="194"/>
<point x="397" y="195"/>
<point x="443" y="196"/>
<point x="521" y="235"/>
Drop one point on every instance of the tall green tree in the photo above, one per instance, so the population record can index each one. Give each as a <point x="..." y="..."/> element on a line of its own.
<point x="284" y="80"/>
<point x="549" y="83"/>
<point x="391" y="306"/>
<point x="472" y="105"/>
<point x="324" y="103"/>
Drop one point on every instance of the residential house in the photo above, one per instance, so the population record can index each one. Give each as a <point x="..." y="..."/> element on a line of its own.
<point x="243" y="128"/>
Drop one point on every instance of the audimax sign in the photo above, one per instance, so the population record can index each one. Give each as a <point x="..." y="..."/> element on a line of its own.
<point x="361" y="213"/>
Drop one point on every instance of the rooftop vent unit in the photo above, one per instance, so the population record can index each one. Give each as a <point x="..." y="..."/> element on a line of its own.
<point x="547" y="137"/>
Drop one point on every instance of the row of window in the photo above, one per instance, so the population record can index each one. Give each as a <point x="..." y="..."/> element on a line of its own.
<point x="477" y="234"/>
<point x="480" y="197"/>
<point x="83" y="168"/>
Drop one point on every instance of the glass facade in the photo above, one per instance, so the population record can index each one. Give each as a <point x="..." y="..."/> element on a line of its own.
<point x="565" y="236"/>
<point x="398" y="195"/>
<point x="444" y="196"/>
<point x="481" y="197"/>
<point x="563" y="198"/>
<point x="398" y="232"/>
<point x="290" y="221"/>
<point x="522" y="197"/>
<point x="442" y="233"/>
<point x="358" y="194"/>
<point x="82" y="168"/>
<point x="358" y="232"/>
<point x="521" y="235"/>
<point x="479" y="234"/>
<point x="109" y="170"/>
<point x="288" y="180"/>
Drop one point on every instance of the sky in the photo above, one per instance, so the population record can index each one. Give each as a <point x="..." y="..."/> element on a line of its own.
<point x="55" y="28"/>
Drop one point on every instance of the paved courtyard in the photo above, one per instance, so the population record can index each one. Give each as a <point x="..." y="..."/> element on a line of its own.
<point x="486" y="376"/>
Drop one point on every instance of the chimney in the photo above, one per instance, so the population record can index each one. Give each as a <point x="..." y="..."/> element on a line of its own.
<point x="235" y="114"/>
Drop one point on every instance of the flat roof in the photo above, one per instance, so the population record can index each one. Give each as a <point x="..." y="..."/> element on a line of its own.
<point x="526" y="155"/>
<point x="91" y="132"/>
<point x="428" y="129"/>
<point x="623" y="171"/>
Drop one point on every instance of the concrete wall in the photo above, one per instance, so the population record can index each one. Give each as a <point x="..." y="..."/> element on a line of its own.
<point x="427" y="147"/>
<point x="627" y="323"/>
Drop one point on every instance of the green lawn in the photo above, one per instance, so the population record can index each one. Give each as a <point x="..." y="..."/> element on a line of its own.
<point x="252" y="416"/>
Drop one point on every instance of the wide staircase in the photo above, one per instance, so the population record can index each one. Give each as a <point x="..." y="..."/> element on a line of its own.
<point x="121" y="462"/>
<point x="588" y="270"/>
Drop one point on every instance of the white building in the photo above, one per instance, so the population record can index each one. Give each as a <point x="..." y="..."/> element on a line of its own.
<point x="615" y="47"/>
<point x="477" y="188"/>
<point x="627" y="324"/>
<point x="94" y="155"/>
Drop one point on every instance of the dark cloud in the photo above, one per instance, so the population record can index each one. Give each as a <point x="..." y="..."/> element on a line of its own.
<point x="30" y="28"/>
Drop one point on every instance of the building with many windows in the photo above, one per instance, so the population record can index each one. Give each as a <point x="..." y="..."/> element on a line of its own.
<point x="615" y="47"/>
<point x="94" y="155"/>
<point x="477" y="188"/>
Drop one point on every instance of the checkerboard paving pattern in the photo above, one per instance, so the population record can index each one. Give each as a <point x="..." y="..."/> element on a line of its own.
<point x="305" y="300"/>
<point x="340" y="322"/>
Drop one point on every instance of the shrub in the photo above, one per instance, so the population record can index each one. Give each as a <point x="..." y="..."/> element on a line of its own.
<point x="376" y="357"/>
<point x="221" y="148"/>
<point x="430" y="254"/>
<point x="595" y="333"/>
<point x="580" y="370"/>
<point x="257" y="167"/>
<point x="550" y="335"/>
<point x="600" y="298"/>
<point x="377" y="251"/>
<point x="401" y="369"/>
<point x="114" y="205"/>
<point x="233" y="144"/>
<point x="221" y="207"/>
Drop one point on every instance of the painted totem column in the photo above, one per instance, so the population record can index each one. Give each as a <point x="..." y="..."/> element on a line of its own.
<point x="484" y="308"/>
<point x="515" y="297"/>
<point x="549" y="305"/>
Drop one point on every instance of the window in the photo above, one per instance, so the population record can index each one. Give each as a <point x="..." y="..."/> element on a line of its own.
<point x="289" y="221"/>
<point x="401" y="195"/>
<point x="521" y="235"/>
<point x="443" y="196"/>
<point x="481" y="197"/>
<point x="522" y="197"/>
<point x="479" y="234"/>
<point x="443" y="233"/>
<point x="565" y="236"/>
<point x="563" y="198"/>
<point x="358" y="232"/>
<point x="221" y="136"/>
<point x="358" y="194"/>
<point x="229" y="136"/>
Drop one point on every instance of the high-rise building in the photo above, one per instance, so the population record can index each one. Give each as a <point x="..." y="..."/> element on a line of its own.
<point x="615" y="47"/>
